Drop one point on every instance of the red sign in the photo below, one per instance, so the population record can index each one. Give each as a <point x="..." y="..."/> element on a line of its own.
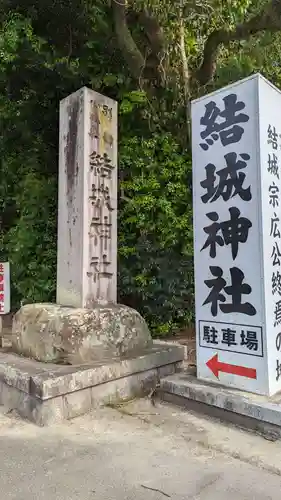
<point x="2" y="296"/>
<point x="5" y="304"/>
<point x="217" y="366"/>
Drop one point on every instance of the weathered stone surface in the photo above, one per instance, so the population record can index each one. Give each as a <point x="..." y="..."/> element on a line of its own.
<point x="58" y="334"/>
<point x="87" y="259"/>
<point x="223" y="402"/>
<point x="47" y="393"/>
<point x="48" y="380"/>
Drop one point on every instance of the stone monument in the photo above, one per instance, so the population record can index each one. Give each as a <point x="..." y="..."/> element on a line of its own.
<point x="108" y="345"/>
<point x="87" y="212"/>
<point x="86" y="323"/>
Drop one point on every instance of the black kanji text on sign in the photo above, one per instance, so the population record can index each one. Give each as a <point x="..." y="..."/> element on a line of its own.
<point x="230" y="180"/>
<point x="232" y="232"/>
<point x="235" y="290"/>
<point x="223" y="124"/>
<point x="236" y="338"/>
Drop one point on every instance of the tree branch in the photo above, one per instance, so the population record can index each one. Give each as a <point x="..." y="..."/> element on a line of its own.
<point x="127" y="45"/>
<point x="156" y="60"/>
<point x="185" y="75"/>
<point x="154" y="32"/>
<point x="267" y="20"/>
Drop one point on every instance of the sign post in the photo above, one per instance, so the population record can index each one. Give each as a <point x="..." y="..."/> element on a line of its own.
<point x="236" y="142"/>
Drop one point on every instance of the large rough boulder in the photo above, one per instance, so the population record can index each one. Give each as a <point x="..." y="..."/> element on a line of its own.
<point x="58" y="334"/>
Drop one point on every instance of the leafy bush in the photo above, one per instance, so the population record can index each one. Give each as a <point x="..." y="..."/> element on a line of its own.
<point x="155" y="231"/>
<point x="30" y="244"/>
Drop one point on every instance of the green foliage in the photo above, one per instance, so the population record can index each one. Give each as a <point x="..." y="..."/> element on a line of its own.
<point x="155" y="231"/>
<point x="49" y="49"/>
<point x="30" y="244"/>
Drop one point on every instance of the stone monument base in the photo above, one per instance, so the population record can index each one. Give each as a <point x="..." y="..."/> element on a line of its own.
<point x="47" y="393"/>
<point x="57" y="334"/>
<point x="251" y="411"/>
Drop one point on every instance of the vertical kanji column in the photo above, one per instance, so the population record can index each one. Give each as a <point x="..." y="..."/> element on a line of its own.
<point x="270" y="167"/>
<point x="228" y="239"/>
<point x="87" y="218"/>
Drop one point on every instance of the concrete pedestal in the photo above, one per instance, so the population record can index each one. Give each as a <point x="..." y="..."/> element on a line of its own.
<point x="247" y="410"/>
<point x="48" y="393"/>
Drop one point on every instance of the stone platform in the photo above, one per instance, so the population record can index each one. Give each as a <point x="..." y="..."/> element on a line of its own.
<point x="46" y="393"/>
<point x="247" y="410"/>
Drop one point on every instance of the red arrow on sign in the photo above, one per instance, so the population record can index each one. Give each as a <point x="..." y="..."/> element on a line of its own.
<point x="242" y="371"/>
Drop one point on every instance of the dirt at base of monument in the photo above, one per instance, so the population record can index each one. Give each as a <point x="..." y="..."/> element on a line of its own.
<point x="187" y="338"/>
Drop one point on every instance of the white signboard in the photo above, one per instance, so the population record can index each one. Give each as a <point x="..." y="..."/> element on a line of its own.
<point x="5" y="302"/>
<point x="236" y="142"/>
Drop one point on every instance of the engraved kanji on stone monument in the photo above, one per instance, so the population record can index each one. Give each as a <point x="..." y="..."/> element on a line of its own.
<point x="87" y="232"/>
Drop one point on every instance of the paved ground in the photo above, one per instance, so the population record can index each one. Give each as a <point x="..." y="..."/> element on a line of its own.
<point x="136" y="452"/>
